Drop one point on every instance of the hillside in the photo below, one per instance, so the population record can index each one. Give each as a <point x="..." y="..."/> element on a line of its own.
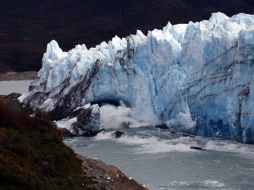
<point x="26" y="27"/>
<point x="33" y="156"/>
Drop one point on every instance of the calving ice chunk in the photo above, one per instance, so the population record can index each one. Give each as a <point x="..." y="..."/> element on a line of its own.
<point x="195" y="76"/>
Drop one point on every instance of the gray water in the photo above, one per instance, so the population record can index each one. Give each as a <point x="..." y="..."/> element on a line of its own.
<point x="161" y="162"/>
<point x="7" y="87"/>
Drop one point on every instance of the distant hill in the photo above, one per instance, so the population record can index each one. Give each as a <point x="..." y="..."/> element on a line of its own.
<point x="27" y="26"/>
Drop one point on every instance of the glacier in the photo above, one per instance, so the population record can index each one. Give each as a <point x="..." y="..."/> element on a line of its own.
<point x="196" y="77"/>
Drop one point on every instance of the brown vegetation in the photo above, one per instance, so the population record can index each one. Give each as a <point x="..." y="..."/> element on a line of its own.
<point x="33" y="156"/>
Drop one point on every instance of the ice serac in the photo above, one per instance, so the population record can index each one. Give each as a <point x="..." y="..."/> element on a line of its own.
<point x="196" y="76"/>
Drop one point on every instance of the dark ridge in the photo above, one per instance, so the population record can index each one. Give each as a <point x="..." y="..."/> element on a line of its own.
<point x="27" y="26"/>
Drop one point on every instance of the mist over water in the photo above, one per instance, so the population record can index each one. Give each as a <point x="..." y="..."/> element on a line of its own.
<point x="122" y="116"/>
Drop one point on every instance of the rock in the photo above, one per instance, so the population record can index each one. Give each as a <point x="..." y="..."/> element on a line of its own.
<point x="118" y="134"/>
<point x="67" y="133"/>
<point x="187" y="135"/>
<point x="162" y="126"/>
<point x="88" y="121"/>
<point x="85" y="122"/>
<point x="10" y="97"/>
<point x="197" y="148"/>
<point x="109" y="177"/>
<point x="11" y="100"/>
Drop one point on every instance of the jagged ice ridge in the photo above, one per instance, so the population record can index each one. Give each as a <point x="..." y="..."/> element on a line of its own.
<point x="196" y="76"/>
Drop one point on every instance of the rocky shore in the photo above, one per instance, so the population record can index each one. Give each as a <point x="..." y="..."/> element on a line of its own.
<point x="32" y="147"/>
<point x="109" y="177"/>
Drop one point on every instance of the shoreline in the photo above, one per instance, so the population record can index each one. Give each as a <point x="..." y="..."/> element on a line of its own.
<point x="108" y="176"/>
<point x="18" y="76"/>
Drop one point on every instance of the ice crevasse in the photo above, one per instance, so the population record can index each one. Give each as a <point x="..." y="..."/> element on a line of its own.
<point x="196" y="76"/>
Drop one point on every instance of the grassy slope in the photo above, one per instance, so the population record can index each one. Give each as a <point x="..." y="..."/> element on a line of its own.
<point x="27" y="26"/>
<point x="33" y="156"/>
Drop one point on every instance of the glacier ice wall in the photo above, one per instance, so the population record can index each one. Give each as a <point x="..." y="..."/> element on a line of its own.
<point x="195" y="76"/>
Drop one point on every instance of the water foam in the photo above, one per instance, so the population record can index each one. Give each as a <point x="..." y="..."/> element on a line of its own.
<point x="206" y="184"/>
<point x="150" y="145"/>
<point x="229" y="146"/>
<point x="153" y="144"/>
<point x="104" y="136"/>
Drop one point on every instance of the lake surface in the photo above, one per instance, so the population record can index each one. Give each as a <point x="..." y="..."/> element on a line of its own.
<point x="161" y="162"/>
<point x="7" y="87"/>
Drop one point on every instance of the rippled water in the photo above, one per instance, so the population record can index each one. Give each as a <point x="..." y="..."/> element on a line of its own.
<point x="161" y="162"/>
